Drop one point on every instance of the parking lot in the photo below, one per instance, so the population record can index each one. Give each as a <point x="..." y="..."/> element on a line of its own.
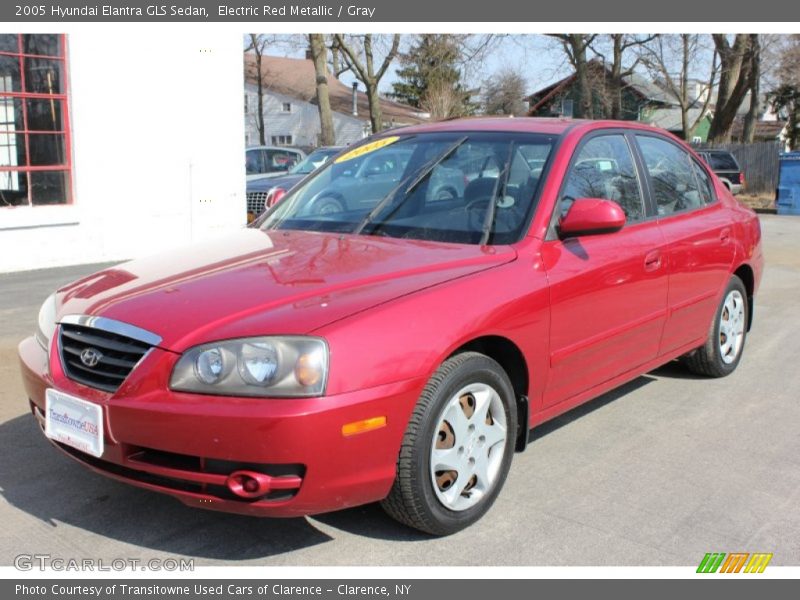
<point x="659" y="472"/>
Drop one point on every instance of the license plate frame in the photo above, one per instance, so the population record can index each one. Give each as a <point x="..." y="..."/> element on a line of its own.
<point x="73" y="421"/>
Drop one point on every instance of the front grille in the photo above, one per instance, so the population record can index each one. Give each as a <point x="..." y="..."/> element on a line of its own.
<point x="118" y="355"/>
<point x="255" y="202"/>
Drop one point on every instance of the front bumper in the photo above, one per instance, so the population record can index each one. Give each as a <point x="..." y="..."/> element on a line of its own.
<point x="187" y="445"/>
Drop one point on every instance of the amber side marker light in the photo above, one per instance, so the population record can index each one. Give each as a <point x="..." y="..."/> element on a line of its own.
<point x="363" y="426"/>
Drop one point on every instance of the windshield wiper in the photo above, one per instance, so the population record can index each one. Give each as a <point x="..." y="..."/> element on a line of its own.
<point x="426" y="170"/>
<point x="491" y="210"/>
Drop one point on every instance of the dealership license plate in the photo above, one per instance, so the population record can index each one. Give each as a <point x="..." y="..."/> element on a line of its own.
<point x="74" y="422"/>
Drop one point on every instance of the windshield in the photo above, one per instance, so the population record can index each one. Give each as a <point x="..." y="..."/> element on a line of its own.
<point x="313" y="161"/>
<point x="469" y="188"/>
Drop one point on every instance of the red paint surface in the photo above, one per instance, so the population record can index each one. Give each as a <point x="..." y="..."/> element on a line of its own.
<point x="587" y="313"/>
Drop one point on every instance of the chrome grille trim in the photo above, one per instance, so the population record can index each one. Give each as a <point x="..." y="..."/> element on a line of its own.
<point x="113" y="326"/>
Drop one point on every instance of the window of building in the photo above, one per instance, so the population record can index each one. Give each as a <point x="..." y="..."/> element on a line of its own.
<point x="246" y="104"/>
<point x="286" y="107"/>
<point x="281" y="140"/>
<point x="35" y="162"/>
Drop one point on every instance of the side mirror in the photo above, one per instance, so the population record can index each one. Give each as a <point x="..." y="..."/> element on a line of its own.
<point x="588" y="216"/>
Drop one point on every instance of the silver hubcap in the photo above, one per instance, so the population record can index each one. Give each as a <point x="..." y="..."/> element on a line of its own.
<point x="731" y="327"/>
<point x="468" y="446"/>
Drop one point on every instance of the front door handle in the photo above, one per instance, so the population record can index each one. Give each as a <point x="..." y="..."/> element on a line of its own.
<point x="725" y="235"/>
<point x="652" y="262"/>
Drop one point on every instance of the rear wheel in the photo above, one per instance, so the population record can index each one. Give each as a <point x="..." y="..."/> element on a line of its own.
<point x="457" y="448"/>
<point x="721" y="353"/>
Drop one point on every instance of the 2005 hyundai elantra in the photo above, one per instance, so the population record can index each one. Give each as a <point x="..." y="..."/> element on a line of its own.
<point x="398" y="344"/>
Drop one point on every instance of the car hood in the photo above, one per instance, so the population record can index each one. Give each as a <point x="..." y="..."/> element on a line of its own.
<point x="283" y="181"/>
<point x="261" y="283"/>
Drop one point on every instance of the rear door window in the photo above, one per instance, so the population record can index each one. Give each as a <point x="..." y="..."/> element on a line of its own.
<point x="672" y="176"/>
<point x="280" y="160"/>
<point x="254" y="162"/>
<point x="704" y="183"/>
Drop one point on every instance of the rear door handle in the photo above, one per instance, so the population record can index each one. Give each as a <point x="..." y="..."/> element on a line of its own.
<point x="652" y="262"/>
<point x="725" y="235"/>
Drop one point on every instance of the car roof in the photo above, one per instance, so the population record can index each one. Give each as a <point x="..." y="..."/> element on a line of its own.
<point x="544" y="125"/>
<point x="529" y="124"/>
<point x="283" y="148"/>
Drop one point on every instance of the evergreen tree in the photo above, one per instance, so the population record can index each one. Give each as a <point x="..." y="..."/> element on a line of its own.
<point x="429" y="68"/>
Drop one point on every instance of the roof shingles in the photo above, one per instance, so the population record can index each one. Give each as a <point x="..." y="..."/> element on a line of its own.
<point x="296" y="78"/>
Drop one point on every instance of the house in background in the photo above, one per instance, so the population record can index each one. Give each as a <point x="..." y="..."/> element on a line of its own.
<point x="639" y="96"/>
<point x="641" y="100"/>
<point x="291" y="115"/>
<point x="669" y="118"/>
<point x="650" y="102"/>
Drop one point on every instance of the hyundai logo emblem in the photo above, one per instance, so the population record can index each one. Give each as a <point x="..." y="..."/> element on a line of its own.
<point x="90" y="357"/>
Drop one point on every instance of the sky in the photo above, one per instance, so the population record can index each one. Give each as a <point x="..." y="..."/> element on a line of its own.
<point x="536" y="57"/>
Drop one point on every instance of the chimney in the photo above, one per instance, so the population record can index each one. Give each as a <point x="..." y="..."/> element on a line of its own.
<point x="355" y="98"/>
<point x="309" y="56"/>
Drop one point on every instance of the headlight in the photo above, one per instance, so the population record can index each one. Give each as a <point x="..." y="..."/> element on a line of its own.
<point x="46" y="327"/>
<point x="274" y="366"/>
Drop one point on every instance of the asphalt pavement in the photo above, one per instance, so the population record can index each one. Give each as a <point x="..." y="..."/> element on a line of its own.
<point x="658" y="472"/>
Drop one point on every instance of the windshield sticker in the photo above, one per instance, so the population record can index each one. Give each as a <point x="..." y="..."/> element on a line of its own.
<point x="367" y="148"/>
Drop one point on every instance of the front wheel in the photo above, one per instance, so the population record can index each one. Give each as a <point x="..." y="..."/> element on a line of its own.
<point x="458" y="447"/>
<point x="721" y="353"/>
<point x="327" y="205"/>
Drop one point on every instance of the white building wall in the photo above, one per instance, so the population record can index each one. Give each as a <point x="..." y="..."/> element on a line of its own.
<point x="158" y="150"/>
<point x="302" y="123"/>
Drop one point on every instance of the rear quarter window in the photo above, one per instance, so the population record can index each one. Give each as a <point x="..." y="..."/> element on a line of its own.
<point x="722" y="161"/>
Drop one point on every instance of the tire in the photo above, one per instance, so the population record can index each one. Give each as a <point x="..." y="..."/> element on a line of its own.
<point x="479" y="451"/>
<point x="445" y="193"/>
<point x="721" y="353"/>
<point x="327" y="205"/>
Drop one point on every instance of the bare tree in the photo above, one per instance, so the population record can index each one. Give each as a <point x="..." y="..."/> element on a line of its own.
<point x="671" y="59"/>
<point x="785" y="97"/>
<point x="319" y="55"/>
<point x="504" y="93"/>
<point x="258" y="44"/>
<point x="338" y="66"/>
<point x="621" y="45"/>
<point x="736" y="61"/>
<point x="754" y="88"/>
<point x="576" y="46"/>
<point x="361" y="60"/>
<point x="441" y="101"/>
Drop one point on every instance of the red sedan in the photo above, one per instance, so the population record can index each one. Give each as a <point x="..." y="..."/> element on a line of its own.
<point x="397" y="345"/>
